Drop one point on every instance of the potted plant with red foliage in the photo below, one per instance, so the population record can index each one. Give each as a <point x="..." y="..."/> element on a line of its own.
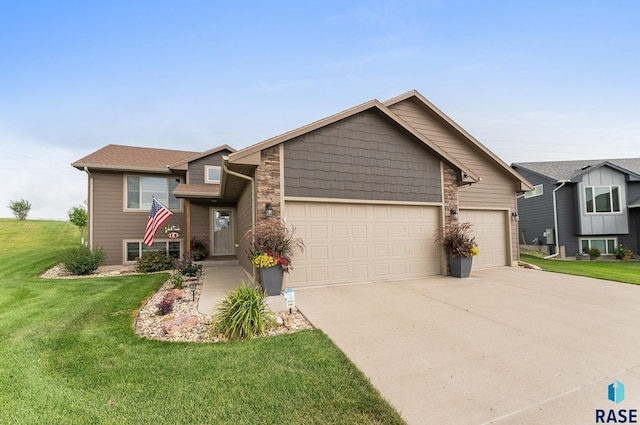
<point x="271" y="251"/>
<point x="460" y="246"/>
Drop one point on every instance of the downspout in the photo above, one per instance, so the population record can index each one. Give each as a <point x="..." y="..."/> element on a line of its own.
<point x="555" y="219"/>
<point x="90" y="208"/>
<point x="253" y="196"/>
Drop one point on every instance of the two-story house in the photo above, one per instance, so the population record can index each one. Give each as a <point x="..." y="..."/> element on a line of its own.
<point x="366" y="189"/>
<point x="578" y="205"/>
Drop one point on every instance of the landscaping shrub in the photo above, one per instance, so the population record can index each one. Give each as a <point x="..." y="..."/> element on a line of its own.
<point x="623" y="253"/>
<point x="243" y="313"/>
<point x="154" y="261"/>
<point x="82" y="260"/>
<point x="187" y="267"/>
<point x="177" y="280"/>
<point x="165" y="306"/>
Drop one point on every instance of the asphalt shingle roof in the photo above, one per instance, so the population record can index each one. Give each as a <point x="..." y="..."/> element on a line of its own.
<point x="566" y="170"/>
<point x="132" y="157"/>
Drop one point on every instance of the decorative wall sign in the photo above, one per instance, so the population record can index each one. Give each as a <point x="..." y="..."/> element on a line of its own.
<point x="172" y="232"/>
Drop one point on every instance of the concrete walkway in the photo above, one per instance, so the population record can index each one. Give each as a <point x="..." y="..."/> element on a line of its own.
<point x="506" y="346"/>
<point x="222" y="277"/>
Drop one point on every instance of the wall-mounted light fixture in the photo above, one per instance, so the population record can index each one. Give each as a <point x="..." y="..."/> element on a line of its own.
<point x="514" y="216"/>
<point x="268" y="211"/>
<point x="454" y="214"/>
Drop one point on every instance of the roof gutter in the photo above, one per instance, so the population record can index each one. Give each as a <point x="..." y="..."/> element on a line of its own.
<point x="90" y="208"/>
<point x="555" y="219"/>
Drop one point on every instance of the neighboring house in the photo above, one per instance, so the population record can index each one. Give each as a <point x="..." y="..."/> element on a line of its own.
<point x="577" y="205"/>
<point x="366" y="189"/>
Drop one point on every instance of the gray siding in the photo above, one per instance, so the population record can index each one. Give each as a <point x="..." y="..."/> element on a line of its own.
<point x="566" y="204"/>
<point x="244" y="222"/>
<point x="361" y="157"/>
<point x="111" y="224"/>
<point x="536" y="213"/>
<point x="632" y="240"/>
<point x="200" y="223"/>
<point x="196" y="168"/>
<point x="603" y="224"/>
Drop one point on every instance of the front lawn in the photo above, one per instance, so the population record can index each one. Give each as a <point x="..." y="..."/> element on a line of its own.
<point x="619" y="271"/>
<point x="68" y="354"/>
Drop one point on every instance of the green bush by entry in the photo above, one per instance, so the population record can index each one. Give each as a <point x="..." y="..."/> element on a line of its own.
<point x="82" y="260"/>
<point x="243" y="313"/>
<point x="154" y="261"/>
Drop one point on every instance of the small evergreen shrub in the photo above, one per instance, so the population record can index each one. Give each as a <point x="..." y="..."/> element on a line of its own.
<point x="187" y="267"/>
<point x="154" y="261"/>
<point x="177" y="280"/>
<point x="243" y="313"/>
<point x="165" y="306"/>
<point x="594" y="252"/>
<point x="82" y="260"/>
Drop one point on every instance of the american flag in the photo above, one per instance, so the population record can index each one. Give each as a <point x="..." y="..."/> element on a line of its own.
<point x="157" y="216"/>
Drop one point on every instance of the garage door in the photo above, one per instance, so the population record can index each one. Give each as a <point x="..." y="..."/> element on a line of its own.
<point x="490" y="230"/>
<point x="347" y="243"/>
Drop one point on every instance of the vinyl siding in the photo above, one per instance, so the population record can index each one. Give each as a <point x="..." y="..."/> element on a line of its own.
<point x="243" y="224"/>
<point x="604" y="223"/>
<point x="200" y="223"/>
<point x="196" y="168"/>
<point x="497" y="188"/>
<point x="111" y="224"/>
<point x="536" y="213"/>
<point x="364" y="156"/>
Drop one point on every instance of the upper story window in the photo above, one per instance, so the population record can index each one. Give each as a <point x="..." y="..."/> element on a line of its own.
<point x="602" y="199"/>
<point x="141" y="189"/>
<point x="212" y="174"/>
<point x="537" y="191"/>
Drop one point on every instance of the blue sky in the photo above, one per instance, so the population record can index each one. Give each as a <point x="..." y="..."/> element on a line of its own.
<point x="533" y="81"/>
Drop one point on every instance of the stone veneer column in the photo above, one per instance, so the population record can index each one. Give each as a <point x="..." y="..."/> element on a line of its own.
<point x="268" y="183"/>
<point x="450" y="182"/>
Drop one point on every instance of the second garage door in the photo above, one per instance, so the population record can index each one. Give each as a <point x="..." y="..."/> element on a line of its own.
<point x="347" y="243"/>
<point x="490" y="230"/>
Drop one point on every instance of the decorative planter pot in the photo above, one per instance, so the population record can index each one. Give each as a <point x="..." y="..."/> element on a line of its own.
<point x="460" y="266"/>
<point x="271" y="279"/>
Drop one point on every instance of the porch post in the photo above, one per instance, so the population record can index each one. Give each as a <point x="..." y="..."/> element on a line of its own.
<point x="187" y="245"/>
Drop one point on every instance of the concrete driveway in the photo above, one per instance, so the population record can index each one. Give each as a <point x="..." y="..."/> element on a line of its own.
<point x="506" y="346"/>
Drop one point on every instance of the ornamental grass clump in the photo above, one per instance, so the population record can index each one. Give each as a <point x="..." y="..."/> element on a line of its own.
<point x="458" y="240"/>
<point x="243" y="313"/>
<point x="273" y="244"/>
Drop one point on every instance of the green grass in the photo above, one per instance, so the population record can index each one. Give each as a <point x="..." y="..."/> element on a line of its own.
<point x="619" y="271"/>
<point x="68" y="354"/>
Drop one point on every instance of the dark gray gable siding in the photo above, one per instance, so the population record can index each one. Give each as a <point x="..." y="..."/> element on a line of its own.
<point x="536" y="213"/>
<point x="196" y="168"/>
<point x="632" y="240"/>
<point x="365" y="157"/>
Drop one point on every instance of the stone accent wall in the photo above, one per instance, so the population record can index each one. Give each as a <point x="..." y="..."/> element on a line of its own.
<point x="450" y="182"/>
<point x="450" y="201"/>
<point x="268" y="182"/>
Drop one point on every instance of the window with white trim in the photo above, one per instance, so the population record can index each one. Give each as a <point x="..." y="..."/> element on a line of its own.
<point x="537" y="191"/>
<point x="605" y="245"/>
<point x="212" y="174"/>
<point x="134" y="249"/>
<point x="141" y="190"/>
<point x="602" y="199"/>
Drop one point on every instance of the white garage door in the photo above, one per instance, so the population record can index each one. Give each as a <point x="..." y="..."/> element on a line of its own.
<point x="490" y="230"/>
<point x="348" y="243"/>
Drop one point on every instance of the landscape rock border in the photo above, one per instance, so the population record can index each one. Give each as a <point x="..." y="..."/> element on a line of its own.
<point x="185" y="323"/>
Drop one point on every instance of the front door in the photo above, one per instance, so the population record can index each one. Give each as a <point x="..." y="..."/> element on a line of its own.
<point x="223" y="240"/>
